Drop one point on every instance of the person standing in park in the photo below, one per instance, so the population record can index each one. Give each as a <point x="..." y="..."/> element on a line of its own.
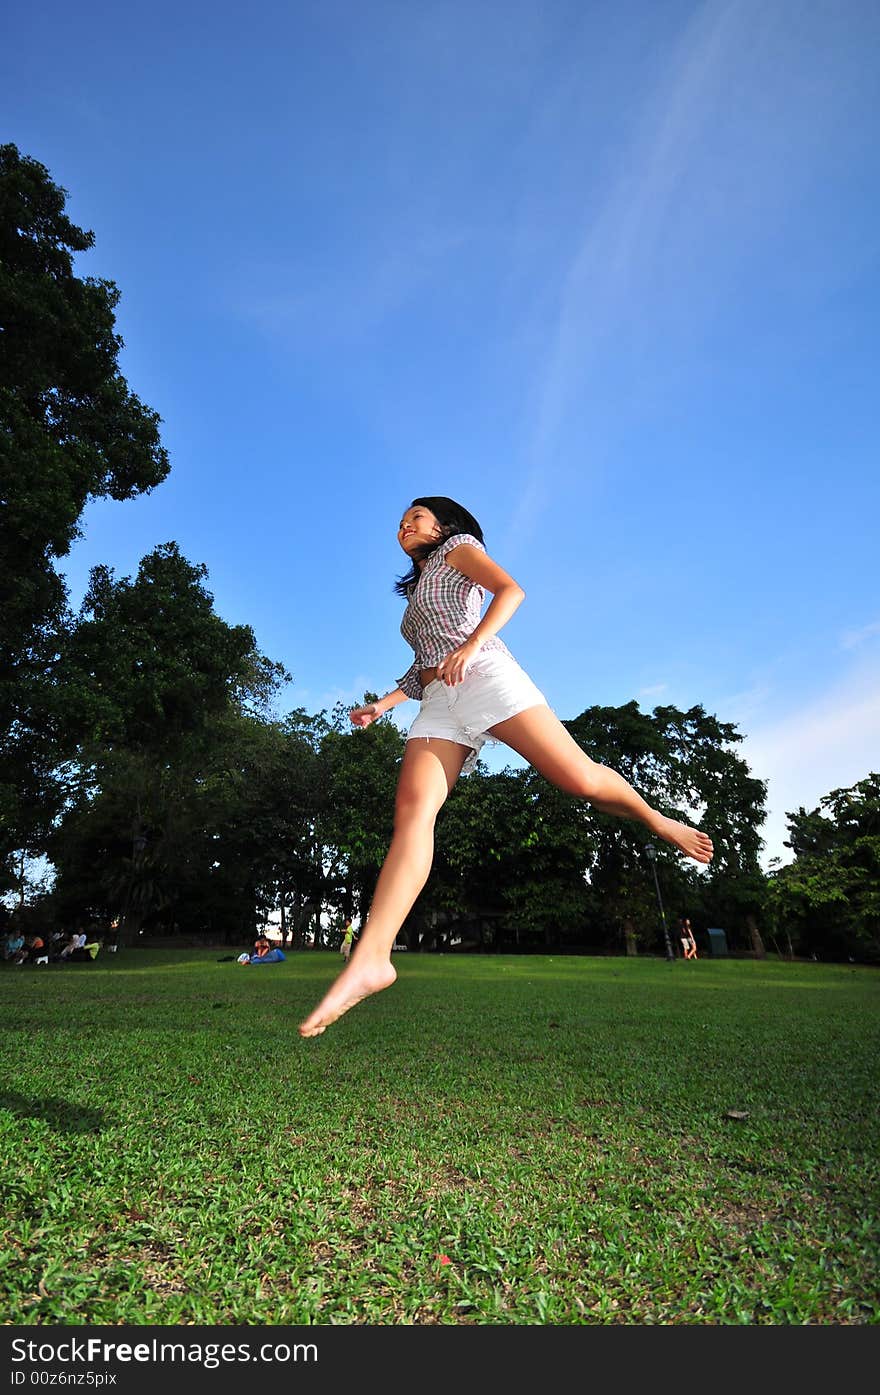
<point x="347" y="940"/>
<point x="688" y="943"/>
<point x="471" y="690"/>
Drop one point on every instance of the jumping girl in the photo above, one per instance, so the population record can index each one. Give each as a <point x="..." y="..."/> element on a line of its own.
<point x="471" y="690"/>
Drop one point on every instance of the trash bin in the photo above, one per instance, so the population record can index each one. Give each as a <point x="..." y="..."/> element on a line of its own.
<point x="717" y="944"/>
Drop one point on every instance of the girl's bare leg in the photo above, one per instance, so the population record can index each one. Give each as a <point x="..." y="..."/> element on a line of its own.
<point x="538" y="735"/>
<point x="430" y="768"/>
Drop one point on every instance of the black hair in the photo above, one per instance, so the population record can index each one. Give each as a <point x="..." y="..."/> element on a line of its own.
<point x="453" y="518"/>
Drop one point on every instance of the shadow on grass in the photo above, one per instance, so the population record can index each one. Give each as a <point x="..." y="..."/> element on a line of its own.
<point x="59" y="1114"/>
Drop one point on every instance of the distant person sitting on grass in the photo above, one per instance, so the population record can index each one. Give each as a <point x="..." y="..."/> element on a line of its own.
<point x="471" y="690"/>
<point x="263" y="953"/>
<point x="75" y="940"/>
<point x="86" y="952"/>
<point x="13" y="943"/>
<point x="272" y="956"/>
<point x="33" y="950"/>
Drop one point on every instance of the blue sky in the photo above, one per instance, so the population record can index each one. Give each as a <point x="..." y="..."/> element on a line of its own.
<point x="607" y="274"/>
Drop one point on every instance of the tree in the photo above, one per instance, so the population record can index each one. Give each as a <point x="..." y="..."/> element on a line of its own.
<point x="359" y="770"/>
<point x="510" y="859"/>
<point x="71" y="430"/>
<point x="515" y="857"/>
<point x="271" y="796"/>
<point x="149" y="662"/>
<point x="732" y="892"/>
<point x="685" y="765"/>
<point x="828" y="897"/>
<point x="158" y="694"/>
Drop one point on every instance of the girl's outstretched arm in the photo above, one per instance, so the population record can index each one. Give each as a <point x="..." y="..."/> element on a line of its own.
<point x="363" y="716"/>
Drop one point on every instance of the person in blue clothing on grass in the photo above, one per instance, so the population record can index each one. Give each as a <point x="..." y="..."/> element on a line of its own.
<point x="263" y="953"/>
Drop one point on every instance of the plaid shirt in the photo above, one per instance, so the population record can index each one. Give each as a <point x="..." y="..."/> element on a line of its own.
<point x="444" y="610"/>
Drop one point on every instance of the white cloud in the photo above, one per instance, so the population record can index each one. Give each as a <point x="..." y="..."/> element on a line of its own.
<point x="803" y="754"/>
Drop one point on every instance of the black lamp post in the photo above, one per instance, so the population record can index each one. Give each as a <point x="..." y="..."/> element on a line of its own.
<point x="138" y="843"/>
<point x="651" y="854"/>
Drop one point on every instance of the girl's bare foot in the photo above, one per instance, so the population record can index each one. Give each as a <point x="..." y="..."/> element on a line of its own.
<point x="690" y="840"/>
<point x="357" y="981"/>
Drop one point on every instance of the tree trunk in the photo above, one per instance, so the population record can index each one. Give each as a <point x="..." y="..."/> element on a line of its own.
<point x="755" y="936"/>
<point x="630" y="938"/>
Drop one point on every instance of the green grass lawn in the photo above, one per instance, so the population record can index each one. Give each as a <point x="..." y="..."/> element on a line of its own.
<point x="496" y="1140"/>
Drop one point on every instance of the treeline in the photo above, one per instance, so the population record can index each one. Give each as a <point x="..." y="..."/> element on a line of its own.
<point x="139" y="754"/>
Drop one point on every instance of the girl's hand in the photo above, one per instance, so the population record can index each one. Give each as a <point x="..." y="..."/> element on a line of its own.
<point x="453" y="668"/>
<point x="363" y="716"/>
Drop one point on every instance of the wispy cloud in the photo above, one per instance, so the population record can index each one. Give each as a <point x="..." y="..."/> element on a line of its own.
<point x="608" y="276"/>
<point x="699" y="193"/>
<point x="851" y="639"/>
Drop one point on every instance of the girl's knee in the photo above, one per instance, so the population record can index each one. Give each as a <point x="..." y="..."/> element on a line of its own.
<point x="413" y="807"/>
<point x="585" y="782"/>
<point x="580" y="777"/>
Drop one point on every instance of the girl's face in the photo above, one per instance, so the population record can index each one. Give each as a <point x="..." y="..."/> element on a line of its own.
<point x="417" y="527"/>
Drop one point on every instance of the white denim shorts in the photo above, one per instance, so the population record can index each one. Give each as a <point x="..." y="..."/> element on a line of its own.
<point x="493" y="689"/>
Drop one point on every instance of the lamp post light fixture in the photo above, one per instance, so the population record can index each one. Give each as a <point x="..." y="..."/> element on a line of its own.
<point x="651" y="854"/>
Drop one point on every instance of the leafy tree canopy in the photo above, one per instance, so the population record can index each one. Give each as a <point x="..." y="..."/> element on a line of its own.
<point x="150" y="662"/>
<point x="828" y="898"/>
<point x="71" y="430"/>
